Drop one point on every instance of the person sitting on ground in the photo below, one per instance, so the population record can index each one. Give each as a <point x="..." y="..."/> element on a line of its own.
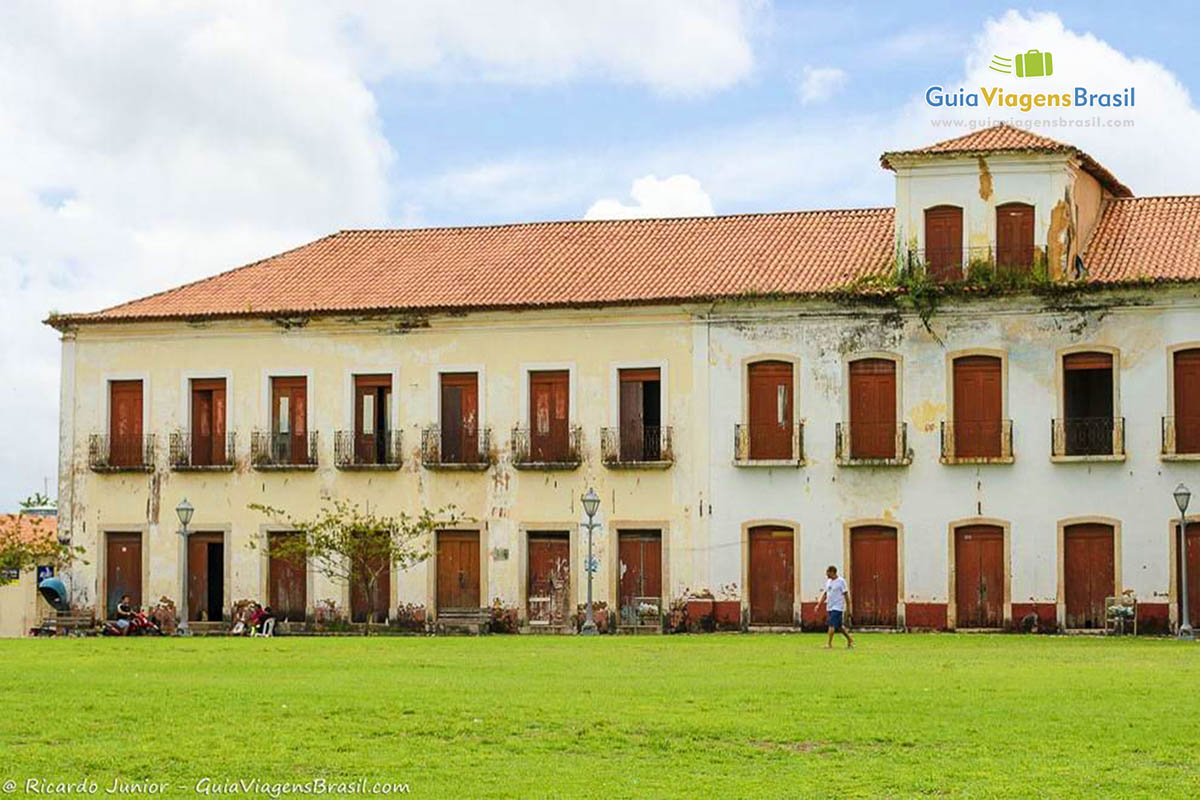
<point x="836" y="592"/>
<point x="266" y="615"/>
<point x="125" y="613"/>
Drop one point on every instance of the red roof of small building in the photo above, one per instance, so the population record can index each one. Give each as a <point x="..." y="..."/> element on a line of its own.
<point x="1146" y="239"/>
<point x="1004" y="138"/>
<point x="30" y="527"/>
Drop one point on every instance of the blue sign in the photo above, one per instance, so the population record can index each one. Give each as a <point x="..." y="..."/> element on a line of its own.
<point x="43" y="572"/>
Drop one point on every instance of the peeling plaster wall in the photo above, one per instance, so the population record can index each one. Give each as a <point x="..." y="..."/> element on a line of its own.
<point x="978" y="185"/>
<point x="703" y="501"/>
<point x="1032" y="494"/>
<point x="500" y="346"/>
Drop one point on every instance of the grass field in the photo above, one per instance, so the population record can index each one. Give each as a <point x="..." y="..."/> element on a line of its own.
<point x="681" y="716"/>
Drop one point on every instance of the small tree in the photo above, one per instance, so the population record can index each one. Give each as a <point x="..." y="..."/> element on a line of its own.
<point x="355" y="547"/>
<point x="24" y="545"/>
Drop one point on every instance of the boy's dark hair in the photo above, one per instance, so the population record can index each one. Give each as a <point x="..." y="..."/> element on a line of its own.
<point x="831" y="568"/>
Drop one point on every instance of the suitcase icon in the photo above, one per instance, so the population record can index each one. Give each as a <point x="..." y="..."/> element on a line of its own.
<point x="1034" y="64"/>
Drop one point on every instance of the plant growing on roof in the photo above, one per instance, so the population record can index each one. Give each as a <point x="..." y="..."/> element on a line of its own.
<point x="354" y="546"/>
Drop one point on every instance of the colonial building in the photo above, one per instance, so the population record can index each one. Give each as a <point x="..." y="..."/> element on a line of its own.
<point x="977" y="403"/>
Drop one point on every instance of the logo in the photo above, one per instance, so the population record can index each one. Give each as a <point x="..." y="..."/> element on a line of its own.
<point x="1030" y="64"/>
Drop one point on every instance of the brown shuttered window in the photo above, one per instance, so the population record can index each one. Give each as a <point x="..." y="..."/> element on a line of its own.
<point x="943" y="243"/>
<point x="372" y="418"/>
<point x="460" y="418"/>
<point x="770" y="410"/>
<point x="289" y="420"/>
<point x="1014" y="236"/>
<point x="208" y="422"/>
<point x="873" y="408"/>
<point x="549" y="415"/>
<point x="1187" y="401"/>
<point x="978" y="402"/>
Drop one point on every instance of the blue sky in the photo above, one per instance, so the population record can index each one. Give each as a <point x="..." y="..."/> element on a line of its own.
<point x="149" y="144"/>
<point x="889" y="52"/>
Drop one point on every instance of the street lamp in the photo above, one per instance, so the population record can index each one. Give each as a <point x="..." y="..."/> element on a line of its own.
<point x="591" y="504"/>
<point x="184" y="511"/>
<point x="1182" y="497"/>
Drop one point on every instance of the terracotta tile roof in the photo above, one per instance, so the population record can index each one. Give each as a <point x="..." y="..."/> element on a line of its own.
<point x="1146" y="239"/>
<point x="582" y="263"/>
<point x="30" y="528"/>
<point x="1005" y="138"/>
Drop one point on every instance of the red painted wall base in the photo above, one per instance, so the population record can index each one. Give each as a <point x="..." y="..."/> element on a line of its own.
<point x="925" y="616"/>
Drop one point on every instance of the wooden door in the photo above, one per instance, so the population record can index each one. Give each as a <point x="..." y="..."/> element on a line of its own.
<point x="205" y="600"/>
<point x="372" y="416"/>
<point x="549" y="415"/>
<point x="123" y="570"/>
<point x="460" y="417"/>
<point x="371" y="601"/>
<point x="979" y="576"/>
<point x="1088" y="573"/>
<point x="125" y="424"/>
<point x="770" y="410"/>
<point x="287" y="581"/>
<point x="944" y="243"/>
<point x="978" y="407"/>
<point x="772" y="576"/>
<point x="549" y="572"/>
<point x="874" y="583"/>
<point x="873" y="408"/>
<point x="208" y="422"/>
<point x="1187" y="401"/>
<point x="640" y="554"/>
<point x="458" y="570"/>
<point x="1191" y="550"/>
<point x="289" y="420"/>
<point x="1014" y="236"/>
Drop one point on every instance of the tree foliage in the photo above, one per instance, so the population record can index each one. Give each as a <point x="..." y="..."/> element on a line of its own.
<point x="24" y="544"/>
<point x="354" y="546"/>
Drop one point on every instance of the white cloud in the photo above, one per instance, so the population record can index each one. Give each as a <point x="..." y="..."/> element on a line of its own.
<point x="676" y="196"/>
<point x="149" y="144"/>
<point x="1150" y="157"/>
<point x="821" y="83"/>
<point x="672" y="46"/>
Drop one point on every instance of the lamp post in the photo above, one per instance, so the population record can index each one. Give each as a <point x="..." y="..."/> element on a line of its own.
<point x="591" y="504"/>
<point x="184" y="511"/>
<point x="1182" y="497"/>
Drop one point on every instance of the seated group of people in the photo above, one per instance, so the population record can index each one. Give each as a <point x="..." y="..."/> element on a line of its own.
<point x="261" y="622"/>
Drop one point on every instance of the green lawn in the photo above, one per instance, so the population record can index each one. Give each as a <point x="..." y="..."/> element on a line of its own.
<point x="684" y="716"/>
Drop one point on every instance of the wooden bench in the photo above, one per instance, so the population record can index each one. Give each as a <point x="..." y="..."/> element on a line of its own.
<point x="65" y="625"/>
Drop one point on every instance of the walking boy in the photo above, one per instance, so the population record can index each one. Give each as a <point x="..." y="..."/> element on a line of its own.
<point x="835" y="593"/>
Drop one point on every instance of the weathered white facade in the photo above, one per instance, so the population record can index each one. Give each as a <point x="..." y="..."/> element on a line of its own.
<point x="1031" y="498"/>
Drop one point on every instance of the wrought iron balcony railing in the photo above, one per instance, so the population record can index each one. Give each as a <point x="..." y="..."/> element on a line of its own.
<point x="545" y="451"/>
<point x="121" y="453"/>
<point x="1097" y="437"/>
<point x="965" y="263"/>
<point x="880" y="444"/>
<point x="768" y="443"/>
<point x="457" y="449"/>
<point x="637" y="446"/>
<point x="381" y="450"/>
<point x="191" y="451"/>
<point x="977" y="442"/>
<point x="1181" y="437"/>
<point x="282" y="451"/>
